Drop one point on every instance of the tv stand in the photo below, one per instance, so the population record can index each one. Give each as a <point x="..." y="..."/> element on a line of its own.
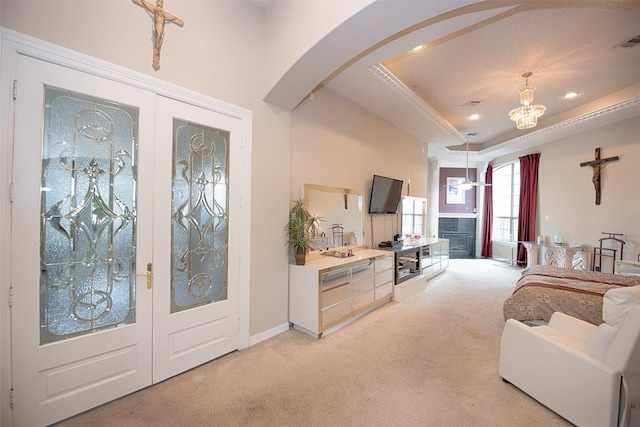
<point x="414" y="265"/>
<point x="407" y="263"/>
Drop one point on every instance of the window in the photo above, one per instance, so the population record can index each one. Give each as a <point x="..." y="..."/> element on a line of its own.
<point x="414" y="211"/>
<point x="506" y="195"/>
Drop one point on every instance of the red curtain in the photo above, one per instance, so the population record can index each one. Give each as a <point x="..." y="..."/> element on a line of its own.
<point x="528" y="202"/>
<point x="487" y="225"/>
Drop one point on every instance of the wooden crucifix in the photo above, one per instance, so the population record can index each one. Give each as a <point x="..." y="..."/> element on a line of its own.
<point x="159" y="19"/>
<point x="596" y="165"/>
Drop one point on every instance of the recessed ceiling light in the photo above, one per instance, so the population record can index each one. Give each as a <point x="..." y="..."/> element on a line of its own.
<point x="570" y="95"/>
<point x="417" y="48"/>
<point x="474" y="117"/>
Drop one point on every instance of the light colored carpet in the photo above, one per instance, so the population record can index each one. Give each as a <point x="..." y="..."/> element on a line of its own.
<point x="428" y="361"/>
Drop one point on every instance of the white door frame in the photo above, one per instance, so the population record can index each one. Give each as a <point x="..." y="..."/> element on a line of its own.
<point x="14" y="44"/>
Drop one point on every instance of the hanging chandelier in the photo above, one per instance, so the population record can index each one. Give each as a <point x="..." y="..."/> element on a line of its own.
<point x="526" y="115"/>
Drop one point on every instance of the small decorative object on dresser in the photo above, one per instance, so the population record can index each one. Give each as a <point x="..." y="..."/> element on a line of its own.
<point x="301" y="227"/>
<point x="557" y="239"/>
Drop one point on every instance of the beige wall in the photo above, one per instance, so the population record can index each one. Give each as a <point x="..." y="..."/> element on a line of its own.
<point x="336" y="143"/>
<point x="219" y="52"/>
<point x="567" y="196"/>
<point x="292" y="27"/>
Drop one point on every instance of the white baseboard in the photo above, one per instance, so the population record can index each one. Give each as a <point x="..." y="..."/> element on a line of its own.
<point x="255" y="339"/>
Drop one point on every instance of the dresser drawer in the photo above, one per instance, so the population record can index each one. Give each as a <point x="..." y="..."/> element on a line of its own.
<point x="362" y="270"/>
<point x="384" y="291"/>
<point x="335" y="312"/>
<point x="335" y="295"/>
<point x="361" y="286"/>
<point x="335" y="278"/>
<point x="430" y="269"/>
<point x="362" y="300"/>
<point x="384" y="264"/>
<point x="384" y="277"/>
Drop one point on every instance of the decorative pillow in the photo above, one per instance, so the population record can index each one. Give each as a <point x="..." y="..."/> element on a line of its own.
<point x="617" y="302"/>
<point x="600" y="343"/>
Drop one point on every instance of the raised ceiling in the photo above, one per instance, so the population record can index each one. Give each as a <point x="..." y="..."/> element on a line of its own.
<point x="472" y="64"/>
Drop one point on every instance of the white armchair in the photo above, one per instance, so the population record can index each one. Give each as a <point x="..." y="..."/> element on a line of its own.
<point x="588" y="374"/>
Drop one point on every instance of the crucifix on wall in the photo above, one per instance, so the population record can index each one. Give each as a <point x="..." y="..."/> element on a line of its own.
<point x="160" y="17"/>
<point x="596" y="165"/>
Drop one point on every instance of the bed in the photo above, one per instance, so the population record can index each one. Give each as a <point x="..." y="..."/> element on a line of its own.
<point x="543" y="290"/>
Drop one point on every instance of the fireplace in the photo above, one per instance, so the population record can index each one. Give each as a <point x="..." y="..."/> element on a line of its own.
<point x="461" y="233"/>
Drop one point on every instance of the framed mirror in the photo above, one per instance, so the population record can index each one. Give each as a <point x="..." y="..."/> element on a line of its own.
<point x="342" y="215"/>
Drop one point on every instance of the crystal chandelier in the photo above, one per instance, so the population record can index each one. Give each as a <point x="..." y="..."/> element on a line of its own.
<point x="526" y="116"/>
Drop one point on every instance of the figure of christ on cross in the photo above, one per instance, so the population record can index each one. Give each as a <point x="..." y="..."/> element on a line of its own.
<point x="596" y="165"/>
<point x="159" y="19"/>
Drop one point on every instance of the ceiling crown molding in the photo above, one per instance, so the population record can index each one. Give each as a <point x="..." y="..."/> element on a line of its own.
<point x="456" y="157"/>
<point x="414" y="100"/>
<point x="563" y="128"/>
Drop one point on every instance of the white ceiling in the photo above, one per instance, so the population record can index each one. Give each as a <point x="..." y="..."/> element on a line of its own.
<point x="480" y="55"/>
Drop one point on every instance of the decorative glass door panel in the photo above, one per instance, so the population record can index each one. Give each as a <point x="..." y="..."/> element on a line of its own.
<point x="200" y="229"/>
<point x="88" y="210"/>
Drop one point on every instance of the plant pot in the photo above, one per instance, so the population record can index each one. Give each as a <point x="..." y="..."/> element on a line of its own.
<point x="301" y="256"/>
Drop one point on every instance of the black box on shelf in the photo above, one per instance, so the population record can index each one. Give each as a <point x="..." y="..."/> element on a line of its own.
<point x="390" y="244"/>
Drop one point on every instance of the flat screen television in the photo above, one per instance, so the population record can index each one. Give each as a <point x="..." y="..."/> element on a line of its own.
<point x="385" y="195"/>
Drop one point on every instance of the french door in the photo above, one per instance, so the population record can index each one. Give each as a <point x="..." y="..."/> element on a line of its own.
<point x="195" y="306"/>
<point x="124" y="267"/>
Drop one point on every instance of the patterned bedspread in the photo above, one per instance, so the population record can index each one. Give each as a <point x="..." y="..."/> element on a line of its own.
<point x="542" y="290"/>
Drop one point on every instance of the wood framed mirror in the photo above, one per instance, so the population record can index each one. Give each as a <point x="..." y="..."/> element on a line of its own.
<point x="338" y="208"/>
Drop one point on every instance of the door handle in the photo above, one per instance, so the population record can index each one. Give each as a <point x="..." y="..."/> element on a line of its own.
<point x="148" y="275"/>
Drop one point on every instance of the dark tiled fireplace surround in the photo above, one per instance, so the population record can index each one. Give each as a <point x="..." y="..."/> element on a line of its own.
<point x="461" y="233"/>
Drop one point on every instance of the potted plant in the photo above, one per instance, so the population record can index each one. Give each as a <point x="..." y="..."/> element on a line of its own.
<point x="301" y="226"/>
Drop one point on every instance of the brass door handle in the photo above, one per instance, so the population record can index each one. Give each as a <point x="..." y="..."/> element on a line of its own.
<point x="148" y="275"/>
